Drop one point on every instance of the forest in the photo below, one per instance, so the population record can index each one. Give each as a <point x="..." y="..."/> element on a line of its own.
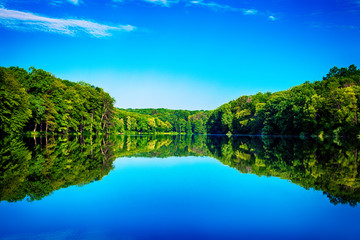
<point x="322" y="108"/>
<point x="152" y="121"/>
<point x="37" y="101"/>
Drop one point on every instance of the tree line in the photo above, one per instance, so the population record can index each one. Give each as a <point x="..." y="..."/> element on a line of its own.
<point x="132" y="123"/>
<point x="327" y="107"/>
<point x="37" y="101"/>
<point x="162" y="121"/>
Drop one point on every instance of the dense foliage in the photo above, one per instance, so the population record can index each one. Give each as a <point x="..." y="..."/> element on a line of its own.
<point x="132" y="122"/>
<point x="36" y="100"/>
<point x="163" y="120"/>
<point x="329" y="107"/>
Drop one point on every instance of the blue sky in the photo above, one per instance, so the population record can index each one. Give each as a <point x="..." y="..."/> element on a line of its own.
<point x="181" y="54"/>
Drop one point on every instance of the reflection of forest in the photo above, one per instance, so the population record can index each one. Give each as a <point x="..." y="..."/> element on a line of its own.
<point x="162" y="146"/>
<point x="326" y="166"/>
<point x="34" y="168"/>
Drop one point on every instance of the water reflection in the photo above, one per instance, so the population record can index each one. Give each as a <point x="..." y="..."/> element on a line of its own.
<point x="34" y="168"/>
<point x="162" y="146"/>
<point x="326" y="166"/>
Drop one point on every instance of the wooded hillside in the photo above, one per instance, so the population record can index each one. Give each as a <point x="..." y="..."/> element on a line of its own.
<point x="36" y="100"/>
<point x="327" y="107"/>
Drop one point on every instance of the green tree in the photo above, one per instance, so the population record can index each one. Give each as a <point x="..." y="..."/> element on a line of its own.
<point x="15" y="105"/>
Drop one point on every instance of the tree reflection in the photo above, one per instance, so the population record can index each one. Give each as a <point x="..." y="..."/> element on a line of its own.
<point x="38" y="167"/>
<point x="34" y="168"/>
<point x="326" y="166"/>
<point x="162" y="146"/>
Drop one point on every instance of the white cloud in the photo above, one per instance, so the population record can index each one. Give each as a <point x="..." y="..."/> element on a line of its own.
<point x="213" y="5"/>
<point x="250" y="12"/>
<point x="168" y="3"/>
<point x="205" y="3"/>
<point x="76" y="2"/>
<point x="58" y="2"/>
<point x="272" y="18"/>
<point x="162" y="2"/>
<point x="30" y="21"/>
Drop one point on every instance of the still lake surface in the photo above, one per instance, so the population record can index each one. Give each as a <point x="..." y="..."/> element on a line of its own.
<point x="172" y="187"/>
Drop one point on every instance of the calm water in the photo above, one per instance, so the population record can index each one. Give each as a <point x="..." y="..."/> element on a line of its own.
<point x="179" y="188"/>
